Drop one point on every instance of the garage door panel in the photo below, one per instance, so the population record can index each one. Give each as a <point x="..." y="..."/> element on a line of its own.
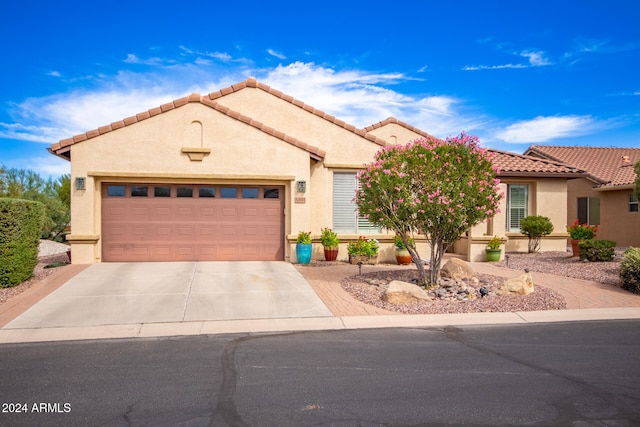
<point x="191" y="228"/>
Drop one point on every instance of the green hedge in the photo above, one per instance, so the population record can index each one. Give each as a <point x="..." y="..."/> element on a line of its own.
<point x="597" y="250"/>
<point x="20" y="229"/>
<point x="630" y="270"/>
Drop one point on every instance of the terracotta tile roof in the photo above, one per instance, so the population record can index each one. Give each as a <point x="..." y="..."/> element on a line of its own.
<point x="401" y="123"/>
<point x="512" y="165"/>
<point x="606" y="166"/>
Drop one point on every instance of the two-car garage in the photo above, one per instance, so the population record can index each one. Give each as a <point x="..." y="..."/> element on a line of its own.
<point x="189" y="222"/>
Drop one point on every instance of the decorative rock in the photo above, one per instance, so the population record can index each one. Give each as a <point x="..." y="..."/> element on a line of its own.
<point x="520" y="285"/>
<point x="457" y="269"/>
<point x="403" y="293"/>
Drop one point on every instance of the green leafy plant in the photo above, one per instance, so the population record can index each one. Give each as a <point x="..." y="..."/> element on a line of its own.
<point x="397" y="240"/>
<point x="329" y="239"/>
<point x="584" y="231"/>
<point x="20" y="228"/>
<point x="433" y="187"/>
<point x="597" y="250"/>
<point x="304" y="237"/>
<point x="535" y="227"/>
<point x="494" y="243"/>
<point x="630" y="270"/>
<point x="363" y="246"/>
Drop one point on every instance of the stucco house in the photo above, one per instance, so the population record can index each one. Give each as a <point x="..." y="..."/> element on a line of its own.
<point x="604" y="195"/>
<point x="235" y="174"/>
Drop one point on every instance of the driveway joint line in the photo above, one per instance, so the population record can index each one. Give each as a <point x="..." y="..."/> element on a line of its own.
<point x="186" y="303"/>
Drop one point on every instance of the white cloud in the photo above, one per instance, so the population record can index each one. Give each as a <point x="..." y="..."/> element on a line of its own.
<point x="543" y="129"/>
<point x="276" y="54"/>
<point x="536" y="59"/>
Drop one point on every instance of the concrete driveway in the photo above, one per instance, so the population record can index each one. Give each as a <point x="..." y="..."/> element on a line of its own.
<point x="127" y="293"/>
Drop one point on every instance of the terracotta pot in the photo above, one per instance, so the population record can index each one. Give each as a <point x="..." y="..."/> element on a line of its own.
<point x="575" y="249"/>
<point x="403" y="257"/>
<point x="330" y="254"/>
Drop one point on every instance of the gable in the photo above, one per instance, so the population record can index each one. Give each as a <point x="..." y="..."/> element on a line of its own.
<point x="158" y="146"/>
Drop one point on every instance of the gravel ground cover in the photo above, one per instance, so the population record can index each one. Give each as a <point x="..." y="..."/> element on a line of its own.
<point x="564" y="264"/>
<point x="369" y="288"/>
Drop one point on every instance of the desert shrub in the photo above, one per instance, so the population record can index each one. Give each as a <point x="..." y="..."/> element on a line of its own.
<point x="20" y="229"/>
<point x="630" y="270"/>
<point x="535" y="227"/>
<point x="597" y="250"/>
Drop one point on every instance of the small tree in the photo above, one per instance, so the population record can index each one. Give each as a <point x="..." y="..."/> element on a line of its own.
<point x="535" y="227"/>
<point x="429" y="186"/>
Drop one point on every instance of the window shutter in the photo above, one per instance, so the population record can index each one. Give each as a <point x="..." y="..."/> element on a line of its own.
<point x="518" y="198"/>
<point x="344" y="211"/>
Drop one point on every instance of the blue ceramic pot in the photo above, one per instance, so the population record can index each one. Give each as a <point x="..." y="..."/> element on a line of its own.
<point x="303" y="252"/>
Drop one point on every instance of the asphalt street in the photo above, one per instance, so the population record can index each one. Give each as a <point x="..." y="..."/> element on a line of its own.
<point x="577" y="373"/>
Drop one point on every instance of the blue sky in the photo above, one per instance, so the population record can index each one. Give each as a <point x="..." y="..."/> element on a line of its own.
<point x="514" y="73"/>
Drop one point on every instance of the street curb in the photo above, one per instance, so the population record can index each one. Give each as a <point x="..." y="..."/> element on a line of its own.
<point x="156" y="330"/>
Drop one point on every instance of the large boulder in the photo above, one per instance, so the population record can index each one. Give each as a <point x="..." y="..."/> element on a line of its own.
<point x="399" y="292"/>
<point x="457" y="269"/>
<point x="519" y="285"/>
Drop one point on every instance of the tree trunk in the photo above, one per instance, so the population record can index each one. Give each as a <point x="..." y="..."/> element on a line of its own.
<point x="437" y="248"/>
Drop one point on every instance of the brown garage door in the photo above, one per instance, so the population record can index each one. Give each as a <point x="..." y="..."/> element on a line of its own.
<point x="149" y="222"/>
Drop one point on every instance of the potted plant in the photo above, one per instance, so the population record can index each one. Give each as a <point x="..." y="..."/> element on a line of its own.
<point x="580" y="232"/>
<point x="303" y="247"/>
<point x="403" y="257"/>
<point x="363" y="250"/>
<point x="330" y="243"/>
<point x="493" y="250"/>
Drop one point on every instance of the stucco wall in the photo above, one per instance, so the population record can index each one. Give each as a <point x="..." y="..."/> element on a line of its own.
<point x="395" y="134"/>
<point x="616" y="222"/>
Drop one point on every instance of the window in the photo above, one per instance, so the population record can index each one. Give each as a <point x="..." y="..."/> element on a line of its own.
<point x="138" y="191"/>
<point x="633" y="203"/>
<point x="271" y="193"/>
<point x="250" y="193"/>
<point x="345" y="211"/>
<point x="184" y="192"/>
<point x="206" y="192"/>
<point x="115" y="190"/>
<point x="164" y="191"/>
<point x="517" y="205"/>
<point x="589" y="210"/>
<point x="228" y="192"/>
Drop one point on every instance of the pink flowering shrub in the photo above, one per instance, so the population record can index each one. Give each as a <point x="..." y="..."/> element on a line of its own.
<point x="439" y="188"/>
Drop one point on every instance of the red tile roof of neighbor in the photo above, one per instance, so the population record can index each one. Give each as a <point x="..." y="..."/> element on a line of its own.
<point x="609" y="167"/>
<point x="512" y="165"/>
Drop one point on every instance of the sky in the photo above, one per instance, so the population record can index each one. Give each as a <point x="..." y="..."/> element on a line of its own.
<point x="513" y="73"/>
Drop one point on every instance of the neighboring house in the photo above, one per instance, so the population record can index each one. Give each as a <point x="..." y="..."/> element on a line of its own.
<point x="235" y="174"/>
<point x="605" y="195"/>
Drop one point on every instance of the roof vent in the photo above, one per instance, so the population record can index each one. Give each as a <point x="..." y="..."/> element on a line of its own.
<point x="625" y="159"/>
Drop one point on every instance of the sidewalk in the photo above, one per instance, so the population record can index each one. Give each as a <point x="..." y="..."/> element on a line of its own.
<point x="585" y="301"/>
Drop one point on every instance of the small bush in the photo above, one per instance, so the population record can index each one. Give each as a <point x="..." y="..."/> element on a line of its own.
<point x="20" y="229"/>
<point x="630" y="270"/>
<point x="535" y="227"/>
<point x="597" y="250"/>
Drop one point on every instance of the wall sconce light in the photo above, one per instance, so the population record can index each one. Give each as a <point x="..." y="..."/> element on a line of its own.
<point x="80" y="183"/>
<point x="301" y="186"/>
